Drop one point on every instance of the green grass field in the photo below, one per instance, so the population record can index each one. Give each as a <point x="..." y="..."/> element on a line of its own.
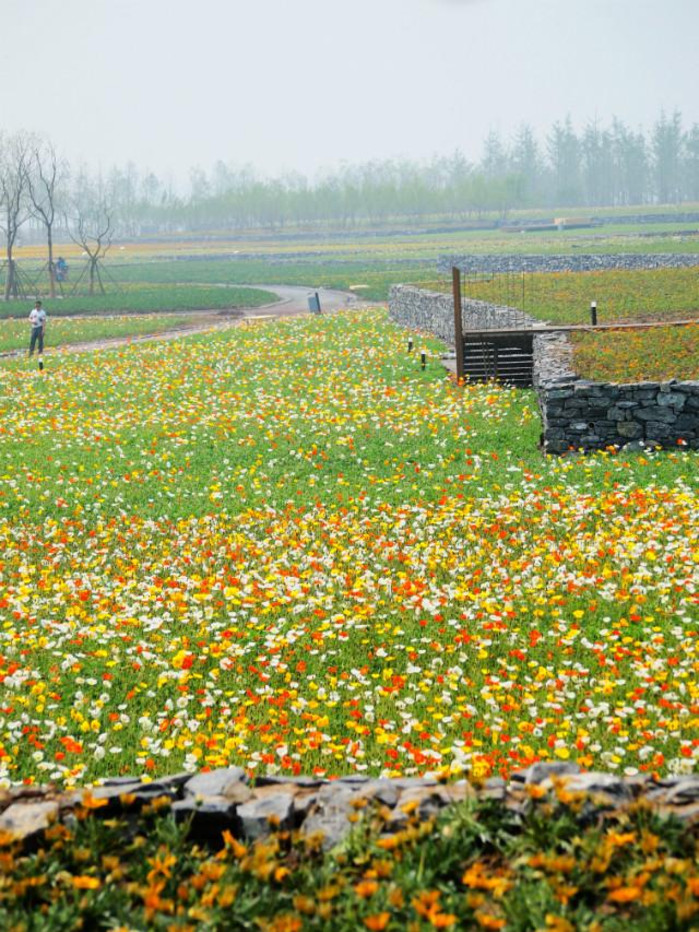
<point x="564" y="298"/>
<point x="64" y="331"/>
<point x="375" y="259"/>
<point x="145" y="297"/>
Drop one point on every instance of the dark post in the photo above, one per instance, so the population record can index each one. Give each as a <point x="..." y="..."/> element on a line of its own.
<point x="458" y="326"/>
<point x="593" y="313"/>
<point x="423" y="359"/>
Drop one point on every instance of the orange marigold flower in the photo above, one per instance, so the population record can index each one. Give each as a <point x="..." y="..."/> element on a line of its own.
<point x="488" y="921"/>
<point x="441" y="920"/>
<point x="285" y="924"/>
<point x="83" y="882"/>
<point x="558" y="924"/>
<point x="93" y="802"/>
<point x="366" y="888"/>
<point x="625" y="894"/>
<point x="377" y="922"/>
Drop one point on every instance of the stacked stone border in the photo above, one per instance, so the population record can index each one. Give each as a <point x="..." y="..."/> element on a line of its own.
<point x="433" y="312"/>
<point x="582" y="262"/>
<point x="219" y="800"/>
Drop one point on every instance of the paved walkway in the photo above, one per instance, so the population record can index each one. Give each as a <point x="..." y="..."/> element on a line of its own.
<point x="293" y="301"/>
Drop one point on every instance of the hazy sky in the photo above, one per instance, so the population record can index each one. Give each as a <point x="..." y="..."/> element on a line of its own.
<point x="306" y="84"/>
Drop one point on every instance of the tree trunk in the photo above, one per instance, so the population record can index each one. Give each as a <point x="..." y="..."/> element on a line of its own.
<point x="52" y="267"/>
<point x="11" y="277"/>
<point x="8" y="277"/>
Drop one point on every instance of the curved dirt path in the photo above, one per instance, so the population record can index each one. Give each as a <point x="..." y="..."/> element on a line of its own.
<point x="293" y="301"/>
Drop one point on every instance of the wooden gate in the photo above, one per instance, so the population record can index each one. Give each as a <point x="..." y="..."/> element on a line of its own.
<point x="507" y="357"/>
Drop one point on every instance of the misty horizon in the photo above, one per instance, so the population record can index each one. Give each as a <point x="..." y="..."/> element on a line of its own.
<point x="308" y="87"/>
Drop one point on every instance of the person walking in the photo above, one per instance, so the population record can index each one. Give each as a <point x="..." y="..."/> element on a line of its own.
<point x="37" y="319"/>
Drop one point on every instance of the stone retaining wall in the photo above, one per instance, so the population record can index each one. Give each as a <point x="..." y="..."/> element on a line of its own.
<point x="433" y="312"/>
<point x="225" y="800"/>
<point x="579" y="414"/>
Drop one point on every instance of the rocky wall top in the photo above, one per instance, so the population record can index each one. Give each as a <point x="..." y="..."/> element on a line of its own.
<point x="500" y="264"/>
<point x="224" y="799"/>
<point x="433" y="312"/>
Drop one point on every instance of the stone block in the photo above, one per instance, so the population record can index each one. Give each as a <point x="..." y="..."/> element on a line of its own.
<point x="428" y="801"/>
<point x="220" y="782"/>
<point x="207" y="818"/>
<point x="654" y="413"/>
<point x="631" y="429"/>
<point x="655" y="430"/>
<point x="24" y="821"/>
<point x="258" y="816"/>
<point x="279" y="780"/>
<point x="687" y="422"/>
<point x="674" y="400"/>
<point x="612" y="787"/>
<point x="541" y="771"/>
<point x="617" y="413"/>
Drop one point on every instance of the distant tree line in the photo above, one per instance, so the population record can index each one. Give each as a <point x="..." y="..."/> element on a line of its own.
<point x="596" y="166"/>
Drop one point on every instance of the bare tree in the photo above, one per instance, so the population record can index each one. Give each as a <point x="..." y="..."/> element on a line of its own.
<point x="44" y="178"/>
<point x="90" y="224"/>
<point x="15" y="154"/>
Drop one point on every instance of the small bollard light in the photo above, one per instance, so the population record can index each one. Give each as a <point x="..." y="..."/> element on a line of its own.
<point x="593" y="313"/>
<point x="423" y="359"/>
<point x="410" y="344"/>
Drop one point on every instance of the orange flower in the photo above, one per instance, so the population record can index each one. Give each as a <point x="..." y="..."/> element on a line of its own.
<point x="487" y="921"/>
<point x="442" y="920"/>
<point x="366" y="888"/>
<point x="92" y="802"/>
<point x="285" y="924"/>
<point x="377" y="922"/>
<point x="625" y="894"/>
<point x="558" y="924"/>
<point x="83" y="882"/>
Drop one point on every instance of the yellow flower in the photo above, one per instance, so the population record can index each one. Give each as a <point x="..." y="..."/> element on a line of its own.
<point x="83" y="882"/>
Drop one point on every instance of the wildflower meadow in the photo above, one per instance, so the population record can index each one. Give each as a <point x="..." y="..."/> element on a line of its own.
<point x="287" y="546"/>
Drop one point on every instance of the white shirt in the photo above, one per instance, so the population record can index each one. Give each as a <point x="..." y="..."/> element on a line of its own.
<point x="37" y="317"/>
